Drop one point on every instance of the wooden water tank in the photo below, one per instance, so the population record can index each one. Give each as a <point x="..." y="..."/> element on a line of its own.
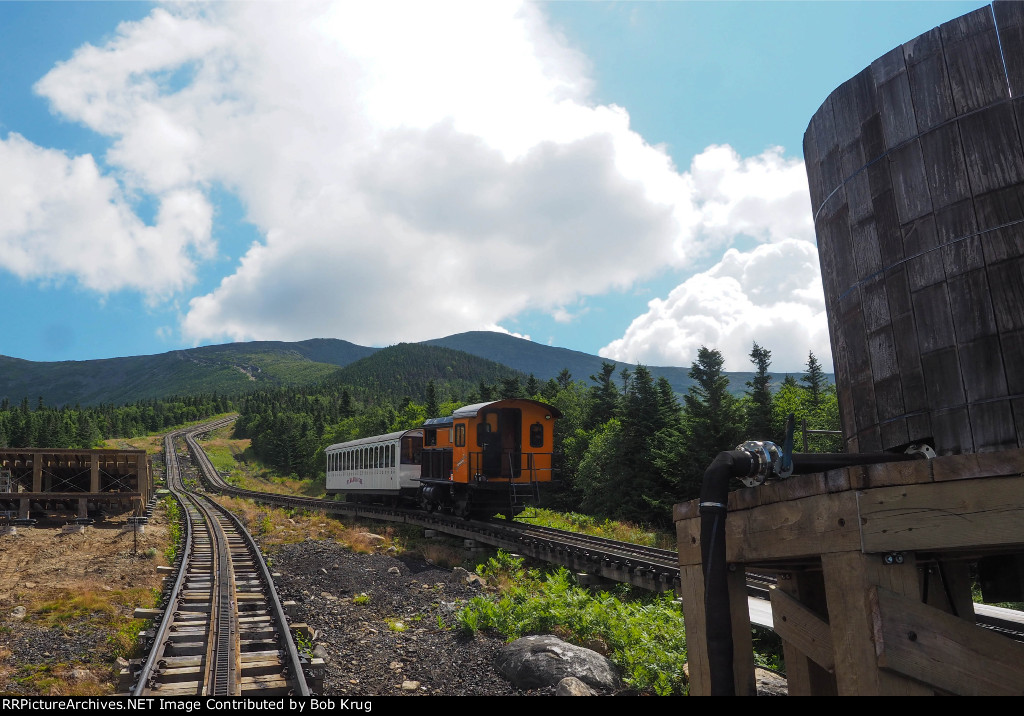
<point x="916" y="172"/>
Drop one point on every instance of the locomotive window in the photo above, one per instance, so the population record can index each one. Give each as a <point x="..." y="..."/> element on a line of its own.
<point x="430" y="437"/>
<point x="460" y="435"/>
<point x="536" y="435"/>
<point x="482" y="429"/>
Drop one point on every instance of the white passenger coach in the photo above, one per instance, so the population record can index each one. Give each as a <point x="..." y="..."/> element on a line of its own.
<point x="381" y="465"/>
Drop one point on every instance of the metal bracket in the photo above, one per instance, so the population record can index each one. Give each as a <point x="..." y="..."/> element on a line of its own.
<point x="768" y="461"/>
<point x="922" y="449"/>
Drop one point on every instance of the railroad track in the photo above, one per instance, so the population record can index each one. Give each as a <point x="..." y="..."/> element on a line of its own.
<point x="223" y="631"/>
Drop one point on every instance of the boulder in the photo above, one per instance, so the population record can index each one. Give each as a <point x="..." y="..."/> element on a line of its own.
<point x="538" y="661"/>
<point x="571" y="686"/>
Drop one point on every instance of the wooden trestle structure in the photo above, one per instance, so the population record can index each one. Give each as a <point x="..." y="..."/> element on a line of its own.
<point x="40" y="480"/>
<point x="875" y="566"/>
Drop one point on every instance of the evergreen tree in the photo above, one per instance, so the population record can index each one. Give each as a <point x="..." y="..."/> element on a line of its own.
<point x="433" y="408"/>
<point x="605" y="396"/>
<point x="532" y="386"/>
<point x="486" y="392"/>
<point x="712" y="421"/>
<point x="564" y="378"/>
<point x="814" y="381"/>
<point x="511" y="388"/>
<point x="759" y="413"/>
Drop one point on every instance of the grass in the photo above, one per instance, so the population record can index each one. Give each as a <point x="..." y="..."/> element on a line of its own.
<point x="72" y="606"/>
<point x="274" y="526"/>
<point x="105" y="609"/>
<point x="234" y="459"/>
<point x="609" y="529"/>
<point x="173" y="509"/>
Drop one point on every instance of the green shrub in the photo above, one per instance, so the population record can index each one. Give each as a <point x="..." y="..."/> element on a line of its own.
<point x="644" y="637"/>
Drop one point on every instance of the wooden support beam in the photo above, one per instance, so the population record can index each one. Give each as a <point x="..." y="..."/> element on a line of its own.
<point x="804" y="676"/>
<point x="691" y="581"/>
<point x="783" y="530"/>
<point x="848" y="578"/>
<point x="943" y="515"/>
<point x="744" y="680"/>
<point x="802" y="628"/>
<point x="949" y="588"/>
<point x="939" y="649"/>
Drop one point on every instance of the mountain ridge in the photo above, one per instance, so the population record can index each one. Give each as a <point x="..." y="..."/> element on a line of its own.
<point x="241" y="367"/>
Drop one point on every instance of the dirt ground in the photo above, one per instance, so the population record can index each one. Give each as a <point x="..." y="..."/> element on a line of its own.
<point x="66" y="601"/>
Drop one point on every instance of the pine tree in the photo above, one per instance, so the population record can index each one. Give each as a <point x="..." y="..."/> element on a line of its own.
<point x="759" y="414"/>
<point x="605" y="396"/>
<point x="712" y="420"/>
<point x="433" y="407"/>
<point x="532" y="386"/>
<point x="564" y="378"/>
<point x="814" y="381"/>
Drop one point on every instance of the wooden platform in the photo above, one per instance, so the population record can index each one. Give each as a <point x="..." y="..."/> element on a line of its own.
<point x="874" y="572"/>
<point x="70" y="480"/>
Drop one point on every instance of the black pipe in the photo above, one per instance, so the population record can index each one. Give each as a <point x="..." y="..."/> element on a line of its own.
<point x="714" y="497"/>
<point x="805" y="463"/>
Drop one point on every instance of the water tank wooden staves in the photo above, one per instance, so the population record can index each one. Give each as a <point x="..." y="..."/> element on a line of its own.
<point x="916" y="172"/>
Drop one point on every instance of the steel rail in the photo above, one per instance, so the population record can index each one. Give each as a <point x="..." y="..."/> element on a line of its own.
<point x="170" y="467"/>
<point x="294" y="662"/>
<point x="225" y="553"/>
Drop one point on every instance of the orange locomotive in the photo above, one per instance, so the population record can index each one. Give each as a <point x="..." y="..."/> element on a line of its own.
<point x="487" y="457"/>
<point x="484" y="458"/>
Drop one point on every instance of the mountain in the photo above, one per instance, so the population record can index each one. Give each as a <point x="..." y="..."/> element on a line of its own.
<point x="546" y="362"/>
<point x="406" y="369"/>
<point x="230" y="368"/>
<point x="403" y="369"/>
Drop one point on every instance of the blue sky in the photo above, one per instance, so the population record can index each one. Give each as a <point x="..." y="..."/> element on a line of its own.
<point x="618" y="178"/>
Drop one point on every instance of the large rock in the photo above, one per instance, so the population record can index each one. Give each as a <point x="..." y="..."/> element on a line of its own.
<point x="537" y="661"/>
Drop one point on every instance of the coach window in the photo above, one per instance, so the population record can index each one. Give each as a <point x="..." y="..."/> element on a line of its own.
<point x="536" y="435"/>
<point x="460" y="435"/>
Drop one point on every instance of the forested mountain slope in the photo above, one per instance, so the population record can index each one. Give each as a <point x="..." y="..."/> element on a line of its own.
<point x="230" y="368"/>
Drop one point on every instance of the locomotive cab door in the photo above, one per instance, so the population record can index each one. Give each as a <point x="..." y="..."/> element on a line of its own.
<point x="499" y="435"/>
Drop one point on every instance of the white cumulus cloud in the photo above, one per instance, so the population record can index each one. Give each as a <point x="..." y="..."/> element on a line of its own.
<point x="771" y="295"/>
<point x="412" y="170"/>
<point x="61" y="218"/>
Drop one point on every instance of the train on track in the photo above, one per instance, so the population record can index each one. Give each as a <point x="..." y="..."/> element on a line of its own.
<point x="483" y="459"/>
